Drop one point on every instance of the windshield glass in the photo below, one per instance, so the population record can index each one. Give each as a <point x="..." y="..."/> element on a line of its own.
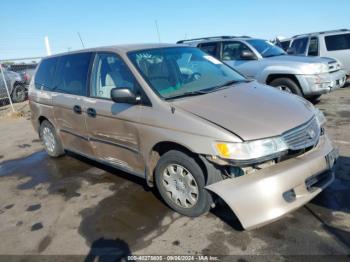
<point x="178" y="71"/>
<point x="266" y="48"/>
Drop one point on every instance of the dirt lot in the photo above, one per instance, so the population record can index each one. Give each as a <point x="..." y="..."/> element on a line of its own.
<point x="73" y="206"/>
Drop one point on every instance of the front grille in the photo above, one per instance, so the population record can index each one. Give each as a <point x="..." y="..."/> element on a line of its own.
<point x="303" y="136"/>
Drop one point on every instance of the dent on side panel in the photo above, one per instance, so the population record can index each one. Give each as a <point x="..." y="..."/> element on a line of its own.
<point x="257" y="199"/>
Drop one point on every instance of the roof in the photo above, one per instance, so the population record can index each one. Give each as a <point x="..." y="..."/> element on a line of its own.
<point x="118" y="48"/>
<point x="323" y="32"/>
<point x="210" y="38"/>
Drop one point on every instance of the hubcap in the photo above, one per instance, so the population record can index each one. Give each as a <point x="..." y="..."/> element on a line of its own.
<point x="285" y="88"/>
<point x="49" y="139"/>
<point x="180" y="185"/>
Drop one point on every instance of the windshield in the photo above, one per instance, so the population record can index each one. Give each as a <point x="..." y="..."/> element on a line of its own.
<point x="180" y="71"/>
<point x="266" y="48"/>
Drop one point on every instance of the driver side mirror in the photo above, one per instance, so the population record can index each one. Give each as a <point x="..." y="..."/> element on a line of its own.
<point x="247" y="55"/>
<point x="291" y="51"/>
<point x="124" y="95"/>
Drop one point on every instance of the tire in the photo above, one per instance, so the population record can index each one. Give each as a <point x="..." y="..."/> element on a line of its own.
<point x="288" y="85"/>
<point x="52" y="143"/>
<point x="191" y="177"/>
<point x="18" y="93"/>
<point x="314" y="98"/>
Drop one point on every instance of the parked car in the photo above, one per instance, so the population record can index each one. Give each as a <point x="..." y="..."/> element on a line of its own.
<point x="269" y="64"/>
<point x="335" y="44"/>
<point x="25" y="70"/>
<point x="15" y="84"/>
<point x="188" y="124"/>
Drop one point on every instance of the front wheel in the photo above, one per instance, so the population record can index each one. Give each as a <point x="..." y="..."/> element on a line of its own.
<point x="19" y="93"/>
<point x="180" y="182"/>
<point x="287" y="85"/>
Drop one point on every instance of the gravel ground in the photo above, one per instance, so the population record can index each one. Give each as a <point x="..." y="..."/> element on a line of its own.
<point x="74" y="206"/>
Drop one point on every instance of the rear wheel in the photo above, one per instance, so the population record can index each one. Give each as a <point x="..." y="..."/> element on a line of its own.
<point x="287" y="85"/>
<point x="180" y="181"/>
<point x="19" y="93"/>
<point x="52" y="143"/>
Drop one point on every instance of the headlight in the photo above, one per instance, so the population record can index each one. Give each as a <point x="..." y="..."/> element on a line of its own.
<point x="321" y="119"/>
<point x="318" y="68"/>
<point x="250" y="150"/>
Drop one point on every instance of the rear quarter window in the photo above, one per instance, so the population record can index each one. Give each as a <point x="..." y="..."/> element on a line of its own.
<point x="337" y="42"/>
<point x="72" y="74"/>
<point x="45" y="74"/>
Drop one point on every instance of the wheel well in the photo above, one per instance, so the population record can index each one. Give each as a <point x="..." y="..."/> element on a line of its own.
<point x="41" y="119"/>
<point x="160" y="149"/>
<point x="270" y="78"/>
<point x="17" y="83"/>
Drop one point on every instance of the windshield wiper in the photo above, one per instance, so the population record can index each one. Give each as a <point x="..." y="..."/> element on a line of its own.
<point x="189" y="93"/>
<point x="274" y="55"/>
<point x="225" y="85"/>
<point x="208" y="90"/>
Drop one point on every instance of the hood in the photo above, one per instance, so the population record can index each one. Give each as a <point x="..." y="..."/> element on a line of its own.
<point x="302" y="59"/>
<point x="307" y="65"/>
<point x="250" y="110"/>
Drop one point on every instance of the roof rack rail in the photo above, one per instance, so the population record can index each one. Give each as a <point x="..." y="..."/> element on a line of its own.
<point x="323" y="32"/>
<point x="211" y="38"/>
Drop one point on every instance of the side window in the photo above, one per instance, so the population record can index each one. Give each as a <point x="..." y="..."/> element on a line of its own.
<point x="45" y="75"/>
<point x="337" y="42"/>
<point x="110" y="71"/>
<point x="285" y="45"/>
<point x="233" y="50"/>
<point x="210" y="48"/>
<point x="71" y="74"/>
<point x="313" y="47"/>
<point x="300" y="45"/>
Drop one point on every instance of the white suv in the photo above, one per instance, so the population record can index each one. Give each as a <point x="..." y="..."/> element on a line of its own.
<point x="335" y="44"/>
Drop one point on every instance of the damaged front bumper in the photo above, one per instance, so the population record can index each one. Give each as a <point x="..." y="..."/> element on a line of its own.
<point x="272" y="192"/>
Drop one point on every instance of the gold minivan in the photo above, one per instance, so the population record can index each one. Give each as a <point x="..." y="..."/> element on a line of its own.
<point x="188" y="124"/>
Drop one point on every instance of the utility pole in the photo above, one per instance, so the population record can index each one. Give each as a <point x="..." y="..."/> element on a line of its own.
<point x="81" y="40"/>
<point x="157" y="28"/>
<point x="47" y="45"/>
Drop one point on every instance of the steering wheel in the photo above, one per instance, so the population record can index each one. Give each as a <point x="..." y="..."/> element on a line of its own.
<point x="195" y="76"/>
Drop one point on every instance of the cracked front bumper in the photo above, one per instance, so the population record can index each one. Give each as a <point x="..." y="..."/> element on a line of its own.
<point x="322" y="83"/>
<point x="260" y="198"/>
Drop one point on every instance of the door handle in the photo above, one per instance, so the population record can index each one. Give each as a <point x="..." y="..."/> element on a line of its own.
<point x="91" y="112"/>
<point x="77" y="109"/>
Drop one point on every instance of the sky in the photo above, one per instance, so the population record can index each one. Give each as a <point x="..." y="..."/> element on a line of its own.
<point x="24" y="24"/>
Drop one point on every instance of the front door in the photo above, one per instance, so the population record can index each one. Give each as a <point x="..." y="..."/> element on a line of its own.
<point x="112" y="127"/>
<point x="231" y="55"/>
<point x="68" y="94"/>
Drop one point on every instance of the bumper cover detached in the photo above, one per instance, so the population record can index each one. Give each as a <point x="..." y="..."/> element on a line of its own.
<point x="270" y="193"/>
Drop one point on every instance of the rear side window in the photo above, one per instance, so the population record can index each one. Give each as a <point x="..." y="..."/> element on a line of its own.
<point x="313" y="47"/>
<point x="71" y="74"/>
<point x="337" y="42"/>
<point x="300" y="45"/>
<point x="45" y="74"/>
<point x="209" y="48"/>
